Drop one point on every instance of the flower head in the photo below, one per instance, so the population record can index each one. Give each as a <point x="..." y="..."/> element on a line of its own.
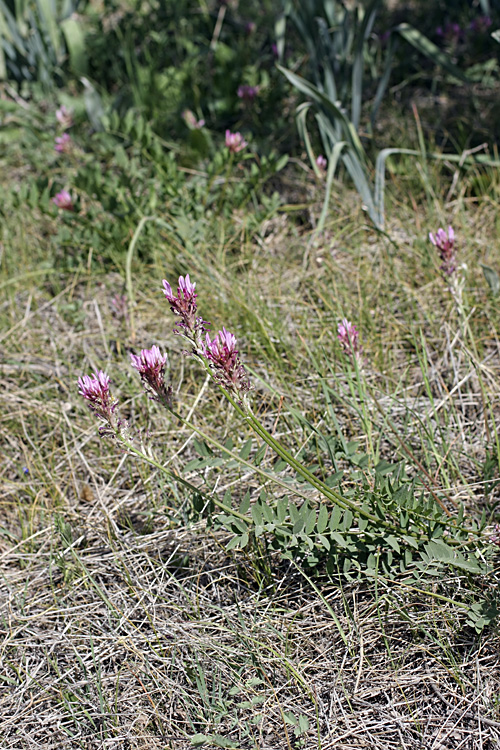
<point x="495" y="537"/>
<point x="321" y="162"/>
<point x="223" y="357"/>
<point x="63" y="143"/>
<point x="348" y="335"/>
<point x="150" y="364"/>
<point x="247" y="93"/>
<point x="235" y="142"/>
<point x="95" y="389"/>
<point x="445" y="244"/>
<point x="451" y="33"/>
<point x="190" y="119"/>
<point x="64" y="117"/>
<point x="480" y="25"/>
<point x="184" y="305"/>
<point x="64" y="200"/>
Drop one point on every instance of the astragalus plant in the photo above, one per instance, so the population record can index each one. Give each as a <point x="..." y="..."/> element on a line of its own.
<point x="351" y="517"/>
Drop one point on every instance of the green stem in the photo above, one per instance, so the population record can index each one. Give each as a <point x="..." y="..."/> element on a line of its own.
<point x="177" y="478"/>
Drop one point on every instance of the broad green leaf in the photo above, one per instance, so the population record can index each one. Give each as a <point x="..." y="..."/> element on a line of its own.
<point x="246" y="449"/>
<point x="322" y="519"/>
<point x="310" y="522"/>
<point x="339" y="539"/>
<point x="348" y="519"/>
<point x="335" y="518"/>
<point x="282" y="509"/>
<point x="325" y="542"/>
<point x="75" y="42"/>
<point x="492" y="279"/>
<point x="245" y="503"/>
<point x="393" y="542"/>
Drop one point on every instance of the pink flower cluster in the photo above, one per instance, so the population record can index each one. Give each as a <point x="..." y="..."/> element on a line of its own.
<point x="495" y="537"/>
<point x="95" y="389"/>
<point x="64" y="201"/>
<point x="225" y="362"/>
<point x="190" y="119"/>
<point x="185" y="307"/>
<point x="445" y="243"/>
<point x="221" y="352"/>
<point x="64" y="117"/>
<point x="321" y="163"/>
<point x="348" y="335"/>
<point x="247" y="93"/>
<point x="150" y="364"/>
<point x="235" y="142"/>
<point x="63" y="143"/>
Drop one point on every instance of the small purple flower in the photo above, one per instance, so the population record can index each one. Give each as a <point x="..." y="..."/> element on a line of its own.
<point x="63" y="143"/>
<point x="64" y="117"/>
<point x="235" y="142"/>
<point x="274" y="49"/>
<point x="321" y="163"/>
<point x="64" y="201"/>
<point x="348" y="336"/>
<point x="223" y="356"/>
<point x="247" y="93"/>
<point x="250" y="27"/>
<point x="185" y="306"/>
<point x="150" y="364"/>
<point x="445" y="244"/>
<point x="190" y="119"/>
<point x="95" y="389"/>
<point x="451" y="33"/>
<point x="480" y="25"/>
<point x="26" y="471"/>
<point x="495" y="537"/>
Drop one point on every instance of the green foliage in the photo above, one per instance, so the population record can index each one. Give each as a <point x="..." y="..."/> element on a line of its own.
<point x="166" y="57"/>
<point x="126" y="172"/>
<point x="391" y="527"/>
<point x="37" y="39"/>
<point x="339" y="42"/>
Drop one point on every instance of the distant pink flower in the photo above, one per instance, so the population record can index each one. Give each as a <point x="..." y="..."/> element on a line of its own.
<point x="184" y="305"/>
<point x="348" y="336"/>
<point x="247" y="93"/>
<point x="250" y="27"/>
<point x="64" y="117"/>
<point x="235" y="142"/>
<point x="451" y="33"/>
<point x="495" y="537"/>
<point x="150" y="364"/>
<point x="190" y="119"/>
<point x="223" y="356"/>
<point x="321" y="162"/>
<point x="64" y="201"/>
<point x="445" y="244"/>
<point x="63" y="143"/>
<point x="480" y="25"/>
<point x="119" y="305"/>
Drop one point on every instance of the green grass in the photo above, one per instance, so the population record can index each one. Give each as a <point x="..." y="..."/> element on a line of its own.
<point x="125" y="621"/>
